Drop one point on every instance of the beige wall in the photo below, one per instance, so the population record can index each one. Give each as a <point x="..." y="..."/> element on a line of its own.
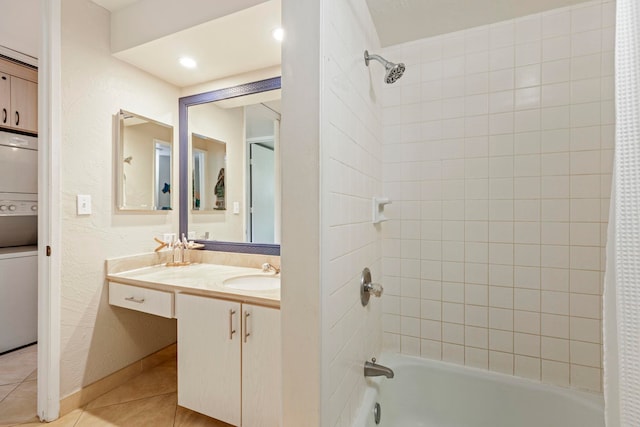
<point x="15" y="17"/>
<point x="96" y="338"/>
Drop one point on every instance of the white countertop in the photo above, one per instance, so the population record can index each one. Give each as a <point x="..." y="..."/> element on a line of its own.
<point x="199" y="279"/>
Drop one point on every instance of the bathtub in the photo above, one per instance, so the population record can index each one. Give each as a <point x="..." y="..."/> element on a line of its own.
<point x="427" y="393"/>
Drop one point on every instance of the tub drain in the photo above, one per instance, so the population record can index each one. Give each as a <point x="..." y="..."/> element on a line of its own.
<point x="377" y="413"/>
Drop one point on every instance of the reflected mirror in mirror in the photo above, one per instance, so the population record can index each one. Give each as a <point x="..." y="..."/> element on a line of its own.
<point x="230" y="167"/>
<point x="208" y="161"/>
<point x="143" y="163"/>
<point x="233" y="152"/>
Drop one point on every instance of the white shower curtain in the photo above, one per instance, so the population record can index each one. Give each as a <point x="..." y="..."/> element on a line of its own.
<point x="622" y="279"/>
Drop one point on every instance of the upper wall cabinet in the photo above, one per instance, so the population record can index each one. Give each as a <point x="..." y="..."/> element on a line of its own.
<point x="18" y="97"/>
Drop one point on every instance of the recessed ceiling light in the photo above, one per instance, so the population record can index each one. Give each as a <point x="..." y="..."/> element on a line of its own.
<point x="278" y="34"/>
<point x="187" y="62"/>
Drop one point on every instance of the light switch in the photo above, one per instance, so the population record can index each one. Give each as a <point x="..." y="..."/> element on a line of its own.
<point x="236" y="207"/>
<point x="84" y="204"/>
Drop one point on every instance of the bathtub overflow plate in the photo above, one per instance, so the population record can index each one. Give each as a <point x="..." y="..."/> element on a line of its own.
<point x="377" y="413"/>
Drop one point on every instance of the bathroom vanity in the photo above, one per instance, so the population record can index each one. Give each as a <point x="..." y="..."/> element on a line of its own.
<point x="228" y="319"/>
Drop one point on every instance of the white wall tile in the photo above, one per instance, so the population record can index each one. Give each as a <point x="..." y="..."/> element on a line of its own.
<point x="498" y="153"/>
<point x="555" y="373"/>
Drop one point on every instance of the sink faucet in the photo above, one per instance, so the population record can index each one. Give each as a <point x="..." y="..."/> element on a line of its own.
<point x="372" y="369"/>
<point x="266" y="267"/>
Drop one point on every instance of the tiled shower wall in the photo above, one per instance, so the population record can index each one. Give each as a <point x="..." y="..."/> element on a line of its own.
<point x="498" y="146"/>
<point x="351" y="159"/>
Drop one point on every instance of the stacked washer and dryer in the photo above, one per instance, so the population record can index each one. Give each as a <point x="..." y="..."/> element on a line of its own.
<point x="18" y="241"/>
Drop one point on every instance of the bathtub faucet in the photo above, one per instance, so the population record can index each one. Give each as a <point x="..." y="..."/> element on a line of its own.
<point x="372" y="369"/>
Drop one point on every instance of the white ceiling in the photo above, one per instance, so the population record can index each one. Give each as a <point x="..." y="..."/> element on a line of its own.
<point x="399" y="21"/>
<point x="227" y="46"/>
<point x="113" y="5"/>
<point x="242" y="41"/>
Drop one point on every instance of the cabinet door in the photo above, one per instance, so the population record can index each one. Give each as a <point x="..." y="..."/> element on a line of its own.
<point x="24" y="105"/>
<point x="261" y="367"/>
<point x="209" y="357"/>
<point x="5" y="99"/>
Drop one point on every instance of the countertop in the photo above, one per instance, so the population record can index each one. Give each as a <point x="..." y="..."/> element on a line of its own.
<point x="198" y="279"/>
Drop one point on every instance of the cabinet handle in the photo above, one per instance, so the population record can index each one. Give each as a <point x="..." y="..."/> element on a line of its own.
<point x="4" y="115"/>
<point x="246" y="331"/>
<point x="17" y="118"/>
<point x="231" y="330"/>
<point x="136" y="300"/>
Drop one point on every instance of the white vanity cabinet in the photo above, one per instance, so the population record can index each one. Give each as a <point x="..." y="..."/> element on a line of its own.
<point x="229" y="360"/>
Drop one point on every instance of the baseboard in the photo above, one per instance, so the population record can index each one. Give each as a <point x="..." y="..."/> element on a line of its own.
<point x="91" y="392"/>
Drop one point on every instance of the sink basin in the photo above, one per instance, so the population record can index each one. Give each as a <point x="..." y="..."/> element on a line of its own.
<point x="253" y="282"/>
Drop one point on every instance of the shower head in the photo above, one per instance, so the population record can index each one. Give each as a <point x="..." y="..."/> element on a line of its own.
<point x="394" y="71"/>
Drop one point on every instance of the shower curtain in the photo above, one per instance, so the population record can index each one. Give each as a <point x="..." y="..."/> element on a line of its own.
<point x="622" y="278"/>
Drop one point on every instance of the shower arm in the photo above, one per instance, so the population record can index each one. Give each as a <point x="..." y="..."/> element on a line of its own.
<point x="378" y="58"/>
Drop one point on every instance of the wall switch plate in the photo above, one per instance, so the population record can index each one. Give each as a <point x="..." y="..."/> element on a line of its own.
<point x="168" y="237"/>
<point x="84" y="204"/>
<point x="236" y="207"/>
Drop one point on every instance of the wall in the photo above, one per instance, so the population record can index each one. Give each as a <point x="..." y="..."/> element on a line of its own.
<point x="300" y="251"/>
<point x="15" y="17"/>
<point x="351" y="164"/>
<point x="498" y="152"/>
<point x="225" y="125"/>
<point x="96" y="338"/>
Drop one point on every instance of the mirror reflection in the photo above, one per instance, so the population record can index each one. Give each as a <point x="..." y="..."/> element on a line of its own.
<point x="144" y="163"/>
<point x="233" y="169"/>
<point x="208" y="160"/>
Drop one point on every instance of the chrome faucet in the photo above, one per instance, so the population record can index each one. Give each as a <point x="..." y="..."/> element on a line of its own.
<point x="372" y="369"/>
<point x="266" y="267"/>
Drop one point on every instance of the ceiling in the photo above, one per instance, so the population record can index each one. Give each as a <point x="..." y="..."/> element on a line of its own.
<point x="227" y="46"/>
<point x="242" y="41"/>
<point x="399" y="21"/>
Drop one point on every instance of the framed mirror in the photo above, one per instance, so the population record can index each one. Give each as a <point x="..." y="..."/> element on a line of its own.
<point x="143" y="163"/>
<point x="230" y="168"/>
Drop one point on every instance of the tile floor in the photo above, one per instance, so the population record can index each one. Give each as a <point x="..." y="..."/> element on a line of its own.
<point x="149" y="399"/>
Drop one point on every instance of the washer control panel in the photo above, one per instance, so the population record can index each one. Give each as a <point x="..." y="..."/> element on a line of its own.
<point x="18" y="207"/>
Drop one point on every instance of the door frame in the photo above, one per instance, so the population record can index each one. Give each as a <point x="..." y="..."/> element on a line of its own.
<point x="49" y="219"/>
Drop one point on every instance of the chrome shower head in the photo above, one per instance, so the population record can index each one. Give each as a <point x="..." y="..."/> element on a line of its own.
<point x="394" y="71"/>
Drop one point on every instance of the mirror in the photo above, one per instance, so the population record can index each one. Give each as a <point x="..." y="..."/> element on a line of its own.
<point x="208" y="161"/>
<point x="144" y="176"/>
<point x="229" y="168"/>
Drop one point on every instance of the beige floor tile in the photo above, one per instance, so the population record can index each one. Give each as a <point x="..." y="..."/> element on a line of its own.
<point x="165" y="355"/>
<point x="18" y="365"/>
<point x="5" y="390"/>
<point x="33" y="376"/>
<point x="19" y="405"/>
<point x="160" y="380"/>
<point x="157" y="411"/>
<point x="68" y="420"/>
<point x="187" y="418"/>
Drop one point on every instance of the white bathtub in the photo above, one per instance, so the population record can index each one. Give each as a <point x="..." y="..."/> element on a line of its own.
<point x="426" y="393"/>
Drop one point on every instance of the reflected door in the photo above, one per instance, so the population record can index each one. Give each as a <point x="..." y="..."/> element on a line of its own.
<point x="261" y="190"/>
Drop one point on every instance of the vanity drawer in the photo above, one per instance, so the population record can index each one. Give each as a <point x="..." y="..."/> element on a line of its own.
<point x="146" y="300"/>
